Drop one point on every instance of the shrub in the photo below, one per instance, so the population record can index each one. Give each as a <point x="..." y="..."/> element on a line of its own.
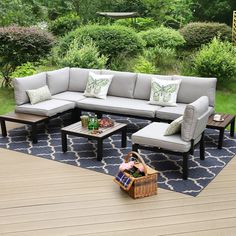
<point x="164" y="58"/>
<point x="87" y="56"/>
<point x="216" y="60"/>
<point x="143" y="65"/>
<point x="25" y="69"/>
<point x="139" y="23"/>
<point x="64" y="24"/>
<point x="111" y="40"/>
<point x="19" y="45"/>
<point x="199" y="33"/>
<point x="162" y="37"/>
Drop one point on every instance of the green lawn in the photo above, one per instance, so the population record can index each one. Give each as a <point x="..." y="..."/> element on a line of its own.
<point x="225" y="101"/>
<point x="7" y="102"/>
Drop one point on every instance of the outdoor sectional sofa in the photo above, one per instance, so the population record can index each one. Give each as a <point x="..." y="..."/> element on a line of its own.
<point x="128" y="94"/>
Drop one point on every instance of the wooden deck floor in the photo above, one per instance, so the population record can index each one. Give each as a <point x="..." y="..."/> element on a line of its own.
<point x="43" y="197"/>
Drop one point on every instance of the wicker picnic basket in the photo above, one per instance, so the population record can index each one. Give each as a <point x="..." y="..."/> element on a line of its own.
<point x="142" y="186"/>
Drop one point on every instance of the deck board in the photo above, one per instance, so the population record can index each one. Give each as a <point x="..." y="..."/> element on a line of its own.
<point x="43" y="197"/>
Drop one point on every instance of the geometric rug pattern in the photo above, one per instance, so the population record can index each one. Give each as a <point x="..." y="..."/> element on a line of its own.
<point x="82" y="152"/>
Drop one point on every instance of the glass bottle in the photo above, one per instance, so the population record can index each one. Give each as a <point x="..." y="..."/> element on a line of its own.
<point x="95" y="123"/>
<point x="91" y="123"/>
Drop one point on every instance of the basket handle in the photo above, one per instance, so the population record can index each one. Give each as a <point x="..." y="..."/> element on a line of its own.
<point x="132" y="153"/>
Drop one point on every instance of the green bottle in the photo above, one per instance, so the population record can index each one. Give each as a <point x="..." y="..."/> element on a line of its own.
<point x="95" y="123"/>
<point x="91" y="123"/>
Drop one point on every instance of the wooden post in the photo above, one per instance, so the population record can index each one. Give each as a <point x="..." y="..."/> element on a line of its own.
<point x="234" y="28"/>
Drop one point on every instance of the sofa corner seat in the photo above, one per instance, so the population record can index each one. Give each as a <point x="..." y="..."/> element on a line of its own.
<point x="46" y="108"/>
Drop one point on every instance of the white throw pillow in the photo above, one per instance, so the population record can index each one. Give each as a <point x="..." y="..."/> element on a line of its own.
<point x="97" y="85"/>
<point x="174" y="127"/>
<point x="164" y="92"/>
<point x="39" y="95"/>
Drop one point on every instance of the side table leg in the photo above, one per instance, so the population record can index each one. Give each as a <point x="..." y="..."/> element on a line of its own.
<point x="124" y="138"/>
<point x="34" y="133"/>
<point x="221" y="138"/>
<point x="99" y="149"/>
<point x="3" y="127"/>
<point x="64" y="141"/>
<point x="232" y="125"/>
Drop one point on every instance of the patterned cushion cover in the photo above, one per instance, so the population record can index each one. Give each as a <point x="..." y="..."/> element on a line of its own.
<point x="39" y="95"/>
<point x="164" y="92"/>
<point x="174" y="127"/>
<point x="97" y="85"/>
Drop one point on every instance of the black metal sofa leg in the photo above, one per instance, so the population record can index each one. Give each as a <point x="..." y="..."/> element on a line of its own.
<point x="202" y="147"/>
<point x="135" y="147"/>
<point x="185" y="165"/>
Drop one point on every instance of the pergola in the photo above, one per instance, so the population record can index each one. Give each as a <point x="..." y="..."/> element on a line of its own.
<point x="118" y="15"/>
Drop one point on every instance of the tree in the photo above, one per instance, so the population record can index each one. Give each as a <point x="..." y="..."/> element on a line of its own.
<point x="20" y="12"/>
<point x="214" y="10"/>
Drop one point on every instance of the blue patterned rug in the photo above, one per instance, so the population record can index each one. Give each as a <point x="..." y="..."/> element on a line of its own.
<point x="82" y="152"/>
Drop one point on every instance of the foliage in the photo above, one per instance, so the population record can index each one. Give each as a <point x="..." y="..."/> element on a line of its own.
<point x="162" y="37"/>
<point x="173" y="13"/>
<point x="25" y="69"/>
<point x="199" y="33"/>
<point x="64" y="24"/>
<point x="20" y="12"/>
<point x="214" y="10"/>
<point x="111" y="40"/>
<point x="164" y="59"/>
<point x="121" y="63"/>
<point x="216" y="60"/>
<point x="138" y="23"/>
<point x="19" y="45"/>
<point x="86" y="56"/>
<point x="142" y="65"/>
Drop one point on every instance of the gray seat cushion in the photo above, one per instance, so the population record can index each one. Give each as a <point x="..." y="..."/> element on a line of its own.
<point x="119" y="105"/>
<point x="192" y="88"/>
<point x="58" y="80"/>
<point x="122" y="84"/>
<point x="46" y="108"/>
<point x="171" y="113"/>
<point x="143" y="85"/>
<point x="153" y="135"/>
<point x="27" y="83"/>
<point x="69" y="96"/>
<point x="79" y="78"/>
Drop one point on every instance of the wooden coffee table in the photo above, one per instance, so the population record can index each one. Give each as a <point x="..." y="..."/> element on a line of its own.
<point x="22" y="118"/>
<point x="77" y="130"/>
<point x="221" y="126"/>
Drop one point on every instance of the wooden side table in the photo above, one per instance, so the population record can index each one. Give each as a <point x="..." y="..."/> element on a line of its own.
<point x="221" y="126"/>
<point x="22" y="118"/>
<point x="76" y="129"/>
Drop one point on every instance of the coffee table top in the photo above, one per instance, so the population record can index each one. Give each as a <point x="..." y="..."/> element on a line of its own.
<point x="77" y="128"/>
<point x="22" y="117"/>
<point x="220" y="124"/>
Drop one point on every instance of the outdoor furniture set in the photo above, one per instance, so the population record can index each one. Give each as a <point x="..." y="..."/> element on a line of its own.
<point x="122" y="93"/>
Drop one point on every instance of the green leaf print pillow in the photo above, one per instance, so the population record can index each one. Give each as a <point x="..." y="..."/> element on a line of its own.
<point x="164" y="92"/>
<point x="97" y="85"/>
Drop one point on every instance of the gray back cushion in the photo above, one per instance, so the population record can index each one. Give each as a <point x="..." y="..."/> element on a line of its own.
<point x="143" y="85"/>
<point x="79" y="78"/>
<point x="195" y="119"/>
<point x="192" y="88"/>
<point x="58" y="80"/>
<point x="122" y="84"/>
<point x="27" y="83"/>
